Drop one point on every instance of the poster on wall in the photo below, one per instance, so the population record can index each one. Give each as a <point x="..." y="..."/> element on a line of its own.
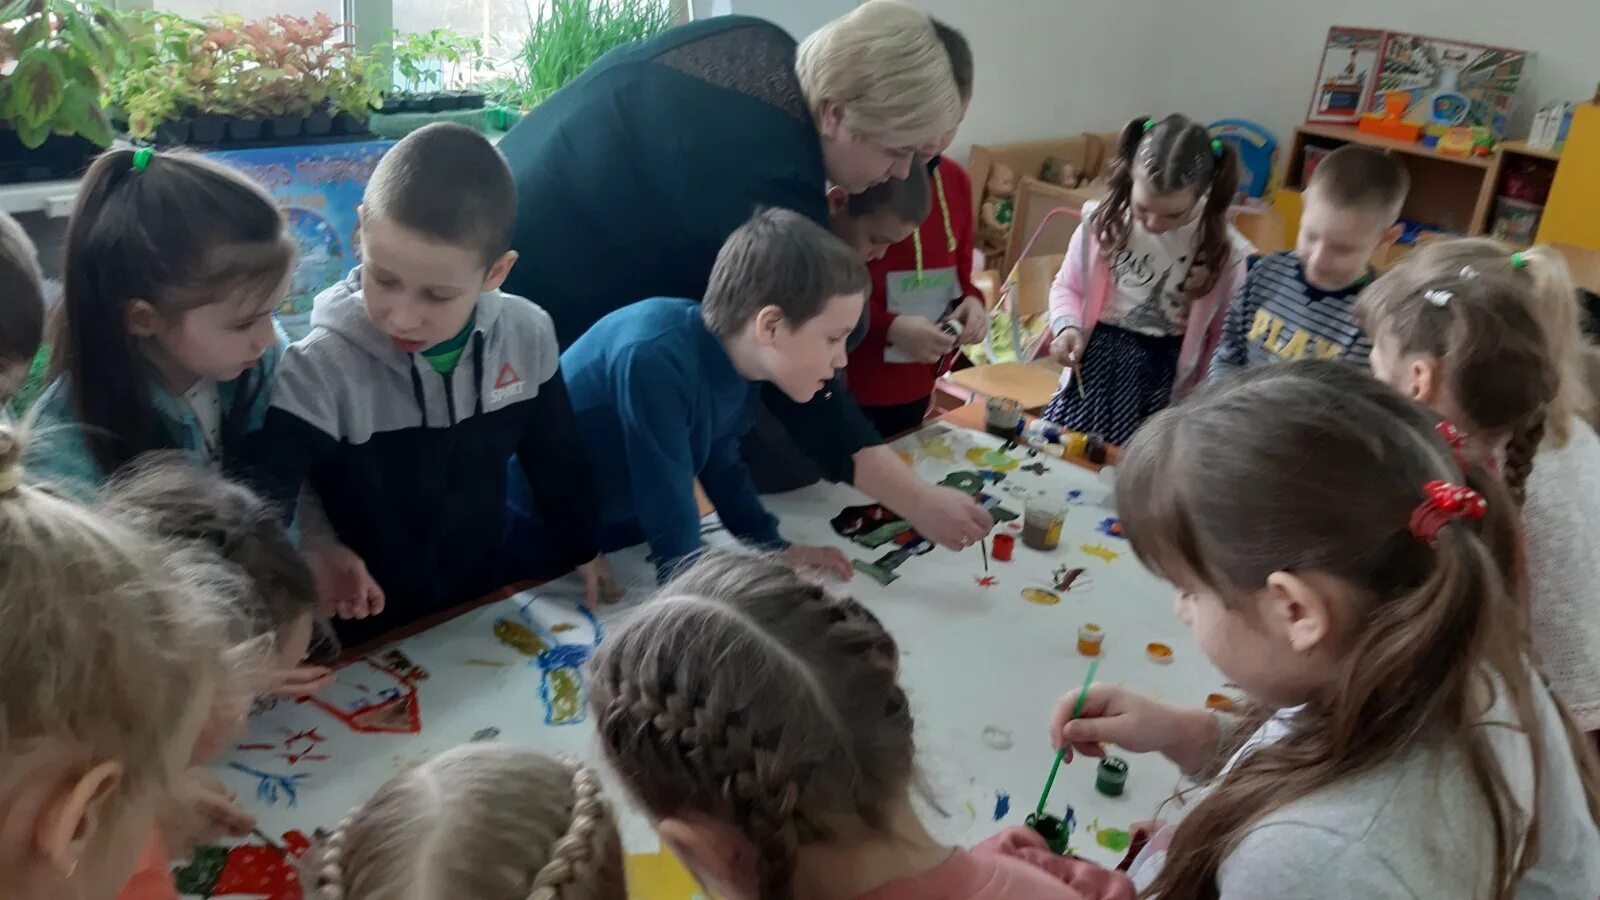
<point x="319" y="187"/>
<point x="1345" y="79"/>
<point x="1451" y="83"/>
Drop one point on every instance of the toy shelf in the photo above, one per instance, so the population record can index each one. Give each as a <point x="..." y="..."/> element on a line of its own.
<point x="1521" y="148"/>
<point x="1455" y="193"/>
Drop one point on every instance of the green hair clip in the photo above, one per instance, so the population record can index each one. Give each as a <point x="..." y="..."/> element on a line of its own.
<point x="1149" y="124"/>
<point x="1518" y="261"/>
<point x="1216" y="146"/>
<point x="142" y="157"/>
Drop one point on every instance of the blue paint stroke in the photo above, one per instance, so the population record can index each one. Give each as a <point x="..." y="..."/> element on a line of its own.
<point x="561" y="657"/>
<point x="1111" y="527"/>
<point x="1074" y="496"/>
<point x="1069" y="823"/>
<point x="992" y="476"/>
<point x="1002" y="805"/>
<point x="270" y="788"/>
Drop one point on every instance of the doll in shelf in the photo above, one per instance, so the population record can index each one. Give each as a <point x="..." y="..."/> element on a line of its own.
<point x="994" y="218"/>
<point x="1059" y="172"/>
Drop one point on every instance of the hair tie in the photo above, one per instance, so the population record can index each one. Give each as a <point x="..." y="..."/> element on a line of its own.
<point x="1439" y="298"/>
<point x="142" y="157"/>
<point x="1442" y="504"/>
<point x="1457" y="444"/>
<point x="1216" y="147"/>
<point x="1149" y="124"/>
<point x="1518" y="261"/>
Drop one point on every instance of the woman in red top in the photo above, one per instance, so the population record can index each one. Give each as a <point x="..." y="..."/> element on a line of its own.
<point x="918" y="284"/>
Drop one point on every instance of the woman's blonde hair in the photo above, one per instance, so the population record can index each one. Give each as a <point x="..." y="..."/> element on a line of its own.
<point x="110" y="643"/>
<point x="748" y="695"/>
<point x="886" y="68"/>
<point x="1547" y="286"/>
<point x="487" y="821"/>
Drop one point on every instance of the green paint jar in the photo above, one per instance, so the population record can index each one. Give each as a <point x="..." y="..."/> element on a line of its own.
<point x="1112" y="776"/>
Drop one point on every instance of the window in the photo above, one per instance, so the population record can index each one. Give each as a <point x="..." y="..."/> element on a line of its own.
<point x="500" y="23"/>
<point x="255" y="9"/>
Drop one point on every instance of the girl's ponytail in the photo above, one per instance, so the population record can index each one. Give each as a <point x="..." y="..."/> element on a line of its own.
<point x="1213" y="249"/>
<point x="1112" y="218"/>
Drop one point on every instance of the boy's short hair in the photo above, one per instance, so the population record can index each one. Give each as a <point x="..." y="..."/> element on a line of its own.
<point x="779" y="258"/>
<point x="22" y="303"/>
<point x="906" y="199"/>
<point x="955" y="44"/>
<point x="1364" y="178"/>
<point x="448" y="183"/>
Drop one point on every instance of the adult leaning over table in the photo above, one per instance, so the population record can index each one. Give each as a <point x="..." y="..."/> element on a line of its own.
<point x="630" y="179"/>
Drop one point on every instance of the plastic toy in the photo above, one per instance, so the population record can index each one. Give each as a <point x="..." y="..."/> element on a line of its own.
<point x="1258" y="153"/>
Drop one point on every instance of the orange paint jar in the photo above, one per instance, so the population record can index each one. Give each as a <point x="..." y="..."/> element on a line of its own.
<point x="1090" y="637"/>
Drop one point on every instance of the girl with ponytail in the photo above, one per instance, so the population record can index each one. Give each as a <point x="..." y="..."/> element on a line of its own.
<point x="165" y="338"/>
<point x="1137" y="307"/>
<point x="1490" y="340"/>
<point x="1337" y="562"/>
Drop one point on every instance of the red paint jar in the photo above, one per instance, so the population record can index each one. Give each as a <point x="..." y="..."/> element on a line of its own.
<point x="1003" y="545"/>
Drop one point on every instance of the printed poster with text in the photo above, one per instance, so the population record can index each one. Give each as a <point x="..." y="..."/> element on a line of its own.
<point x="319" y="187"/>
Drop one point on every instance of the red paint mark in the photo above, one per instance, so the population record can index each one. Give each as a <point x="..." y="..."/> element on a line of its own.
<point x="985" y="581"/>
<point x="256" y="747"/>
<point x="294" y="758"/>
<point x="310" y="735"/>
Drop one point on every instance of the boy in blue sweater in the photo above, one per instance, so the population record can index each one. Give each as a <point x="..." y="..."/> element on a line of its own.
<point x="664" y="389"/>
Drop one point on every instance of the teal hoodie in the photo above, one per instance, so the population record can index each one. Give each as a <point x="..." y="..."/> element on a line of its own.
<point x="59" y="455"/>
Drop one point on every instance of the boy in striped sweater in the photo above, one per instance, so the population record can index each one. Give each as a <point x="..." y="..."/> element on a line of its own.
<point x="1301" y="303"/>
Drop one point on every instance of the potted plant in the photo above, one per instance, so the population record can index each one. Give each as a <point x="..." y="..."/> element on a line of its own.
<point x="566" y="36"/>
<point x="352" y="95"/>
<point x="58" y="53"/>
<point x="150" y="90"/>
<point x="294" y="57"/>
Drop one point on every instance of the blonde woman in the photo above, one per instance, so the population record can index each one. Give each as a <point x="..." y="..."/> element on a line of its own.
<point x="631" y="178"/>
<point x="482" y="821"/>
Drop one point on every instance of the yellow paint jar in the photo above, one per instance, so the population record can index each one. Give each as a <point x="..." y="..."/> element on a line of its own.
<point x="1090" y="637"/>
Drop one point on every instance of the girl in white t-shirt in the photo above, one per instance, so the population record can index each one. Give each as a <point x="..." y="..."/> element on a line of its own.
<point x="1338" y="565"/>
<point x="1138" y="304"/>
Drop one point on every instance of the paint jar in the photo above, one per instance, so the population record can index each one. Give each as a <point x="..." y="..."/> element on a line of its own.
<point x="1004" y="544"/>
<point x="1159" y="653"/>
<point x="1090" y="636"/>
<point x="1220" y="703"/>
<point x="1112" y="776"/>
<point x="1003" y="418"/>
<point x="1042" y="519"/>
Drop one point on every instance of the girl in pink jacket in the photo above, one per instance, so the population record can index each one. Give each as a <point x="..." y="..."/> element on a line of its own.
<point x="1138" y="304"/>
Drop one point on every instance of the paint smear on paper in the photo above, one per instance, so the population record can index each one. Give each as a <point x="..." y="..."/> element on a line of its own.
<point x="1040" y="597"/>
<point x="562" y="627"/>
<point x="1100" y="551"/>
<point x="1111" y="527"/>
<point x="985" y="581"/>
<point x="997" y="460"/>
<point x="518" y="637"/>
<point x="1002" y="805"/>
<point x="1114" y="839"/>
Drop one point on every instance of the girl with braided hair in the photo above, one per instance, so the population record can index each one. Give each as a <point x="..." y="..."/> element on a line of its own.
<point x="1490" y="339"/>
<point x="483" y="821"/>
<point x="759" y="722"/>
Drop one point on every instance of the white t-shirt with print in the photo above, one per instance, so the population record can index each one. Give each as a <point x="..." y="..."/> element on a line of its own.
<point x="1147" y="280"/>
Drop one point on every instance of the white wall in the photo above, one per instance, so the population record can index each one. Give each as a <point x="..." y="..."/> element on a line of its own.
<point x="1044" y="67"/>
<point x="1052" y="67"/>
<point x="1257" y="59"/>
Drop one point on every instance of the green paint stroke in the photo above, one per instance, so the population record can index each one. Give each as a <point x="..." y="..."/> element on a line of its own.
<point x="1114" y="839"/>
<point x="200" y="876"/>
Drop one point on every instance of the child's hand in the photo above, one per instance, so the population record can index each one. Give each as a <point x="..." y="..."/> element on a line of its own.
<point x="822" y="559"/>
<point x="1067" y="347"/>
<point x="920" y="339"/>
<point x="303" y="681"/>
<point x="344" y="586"/>
<point x="949" y="518"/>
<point x="201" y="811"/>
<point x="1138" y="724"/>
<point x="598" y="584"/>
<point x="974" y="320"/>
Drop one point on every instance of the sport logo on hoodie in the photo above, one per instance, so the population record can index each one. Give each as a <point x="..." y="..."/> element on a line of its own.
<point x="507" y="384"/>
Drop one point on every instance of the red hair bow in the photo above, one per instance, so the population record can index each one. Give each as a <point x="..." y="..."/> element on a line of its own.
<point x="1444" y="503"/>
<point x="1453" y="438"/>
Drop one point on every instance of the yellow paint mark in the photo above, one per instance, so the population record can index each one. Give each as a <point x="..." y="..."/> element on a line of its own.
<point x="906" y="456"/>
<point x="566" y="699"/>
<point x="563" y="627"/>
<point x="518" y="637"/>
<point x="659" y="876"/>
<point x="939" y="449"/>
<point x="1040" y="596"/>
<point x="1100" y="551"/>
<point x="991" y="459"/>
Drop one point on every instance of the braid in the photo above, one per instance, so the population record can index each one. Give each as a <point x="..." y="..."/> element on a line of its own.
<point x="754" y="697"/>
<point x="584" y="848"/>
<point x="1520" y="450"/>
<point x="329" y="880"/>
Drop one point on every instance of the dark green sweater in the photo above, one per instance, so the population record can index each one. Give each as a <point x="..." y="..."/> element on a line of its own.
<point x="630" y="179"/>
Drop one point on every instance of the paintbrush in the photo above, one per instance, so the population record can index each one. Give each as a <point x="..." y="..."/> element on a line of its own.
<point x="983" y="546"/>
<point x="262" y="836"/>
<point x="1062" y="753"/>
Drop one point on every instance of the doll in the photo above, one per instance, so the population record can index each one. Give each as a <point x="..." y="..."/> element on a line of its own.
<point x="995" y="216"/>
<point x="1059" y="172"/>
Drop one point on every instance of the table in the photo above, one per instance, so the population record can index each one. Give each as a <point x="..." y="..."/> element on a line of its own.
<point x="984" y="657"/>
